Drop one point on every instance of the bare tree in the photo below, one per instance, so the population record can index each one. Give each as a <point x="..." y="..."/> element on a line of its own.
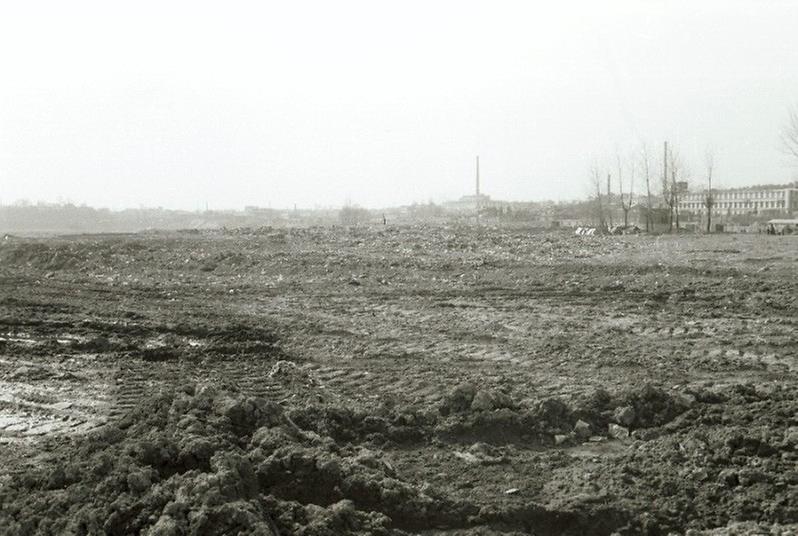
<point x="709" y="201"/>
<point x="645" y="164"/>
<point x="596" y="174"/>
<point x="626" y="200"/>
<point x="674" y="172"/>
<point x="668" y="187"/>
<point x="675" y="190"/>
<point x="789" y="134"/>
<point x="609" y="198"/>
<point x="669" y="198"/>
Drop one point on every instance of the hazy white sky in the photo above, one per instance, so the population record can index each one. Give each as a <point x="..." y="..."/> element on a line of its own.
<point x="175" y="104"/>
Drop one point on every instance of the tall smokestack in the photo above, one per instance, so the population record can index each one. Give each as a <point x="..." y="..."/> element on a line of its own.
<point x="477" y="175"/>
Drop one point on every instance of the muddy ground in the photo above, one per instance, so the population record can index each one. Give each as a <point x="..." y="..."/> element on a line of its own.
<point x="416" y="380"/>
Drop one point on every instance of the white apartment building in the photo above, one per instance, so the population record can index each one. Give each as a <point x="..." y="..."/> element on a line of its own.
<point x="743" y="201"/>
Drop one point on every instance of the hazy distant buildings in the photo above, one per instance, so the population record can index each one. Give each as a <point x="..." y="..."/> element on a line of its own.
<point x="471" y="203"/>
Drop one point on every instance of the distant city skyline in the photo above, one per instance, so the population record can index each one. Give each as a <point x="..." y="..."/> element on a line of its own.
<point x="316" y="105"/>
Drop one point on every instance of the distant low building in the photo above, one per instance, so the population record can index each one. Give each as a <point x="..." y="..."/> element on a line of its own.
<point x="475" y="203"/>
<point x="471" y="203"/>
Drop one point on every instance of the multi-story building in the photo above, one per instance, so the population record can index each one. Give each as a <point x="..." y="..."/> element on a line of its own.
<point x="756" y="201"/>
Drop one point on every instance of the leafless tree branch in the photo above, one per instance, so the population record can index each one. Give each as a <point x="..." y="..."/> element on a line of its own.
<point x="789" y="134"/>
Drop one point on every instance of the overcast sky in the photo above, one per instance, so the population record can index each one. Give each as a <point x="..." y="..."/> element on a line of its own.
<point x="179" y="104"/>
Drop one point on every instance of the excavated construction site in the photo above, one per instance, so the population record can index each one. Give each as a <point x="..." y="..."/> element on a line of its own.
<point x="395" y="381"/>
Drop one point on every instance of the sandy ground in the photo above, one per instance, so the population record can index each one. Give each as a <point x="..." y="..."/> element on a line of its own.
<point x="399" y="380"/>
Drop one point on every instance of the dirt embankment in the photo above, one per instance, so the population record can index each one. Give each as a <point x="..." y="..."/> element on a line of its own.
<point x="202" y="461"/>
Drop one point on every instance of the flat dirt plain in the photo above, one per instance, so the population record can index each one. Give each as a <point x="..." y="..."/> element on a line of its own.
<point x="408" y="380"/>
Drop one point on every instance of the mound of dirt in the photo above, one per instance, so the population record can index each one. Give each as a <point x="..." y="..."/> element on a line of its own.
<point x="469" y="414"/>
<point x="199" y="460"/>
<point x="204" y="462"/>
<point x="698" y="471"/>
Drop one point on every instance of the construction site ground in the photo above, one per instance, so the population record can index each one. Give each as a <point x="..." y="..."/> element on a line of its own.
<point x="398" y="380"/>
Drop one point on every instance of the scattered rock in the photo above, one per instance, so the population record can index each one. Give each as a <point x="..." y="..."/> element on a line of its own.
<point x="618" y="432"/>
<point x="729" y="477"/>
<point x="165" y="526"/>
<point x="654" y="407"/>
<point x="483" y="454"/>
<point x="686" y="400"/>
<point x="748" y="476"/>
<point x="624" y="415"/>
<point x="466" y="456"/>
<point x="582" y="429"/>
<point x="560" y="439"/>
<point x="459" y="399"/>
<point x="96" y="344"/>
<point x="139" y="481"/>
<point x="485" y="400"/>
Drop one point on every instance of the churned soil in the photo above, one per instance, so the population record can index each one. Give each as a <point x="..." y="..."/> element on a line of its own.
<point x="409" y="380"/>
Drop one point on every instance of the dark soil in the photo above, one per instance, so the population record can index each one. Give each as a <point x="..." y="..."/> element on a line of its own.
<point x="398" y="381"/>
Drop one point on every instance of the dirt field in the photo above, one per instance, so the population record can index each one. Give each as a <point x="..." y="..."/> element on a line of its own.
<point x="398" y="381"/>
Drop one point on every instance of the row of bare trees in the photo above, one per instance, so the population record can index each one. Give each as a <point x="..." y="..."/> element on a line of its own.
<point x="625" y="197"/>
<point x="659" y="194"/>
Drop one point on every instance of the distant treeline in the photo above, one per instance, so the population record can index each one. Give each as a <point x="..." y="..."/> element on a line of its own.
<point x="68" y="218"/>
